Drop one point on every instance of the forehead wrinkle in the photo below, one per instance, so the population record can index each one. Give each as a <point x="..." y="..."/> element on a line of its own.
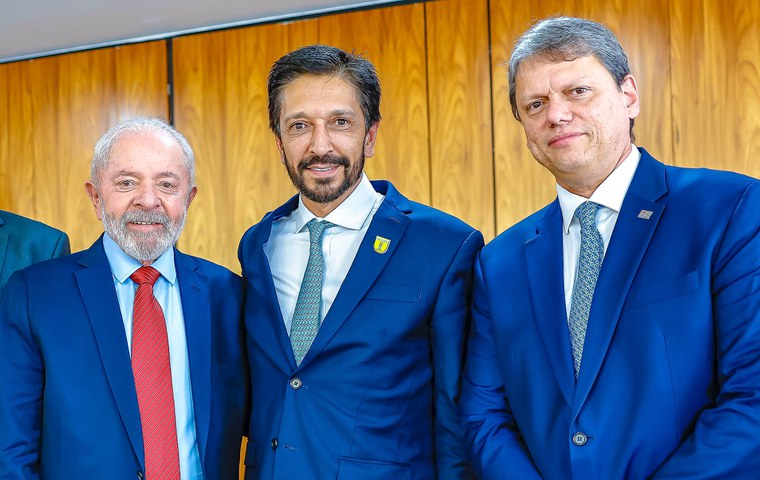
<point x="554" y="79"/>
<point x="133" y="173"/>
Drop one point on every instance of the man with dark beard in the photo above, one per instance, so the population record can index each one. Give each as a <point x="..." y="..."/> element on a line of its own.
<point x="125" y="360"/>
<point x="357" y="298"/>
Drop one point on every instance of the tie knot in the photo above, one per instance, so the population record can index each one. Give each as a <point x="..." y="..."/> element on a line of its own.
<point x="316" y="229"/>
<point x="145" y="275"/>
<point x="586" y="214"/>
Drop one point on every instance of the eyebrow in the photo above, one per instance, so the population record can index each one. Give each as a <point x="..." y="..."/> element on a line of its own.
<point x="345" y="112"/>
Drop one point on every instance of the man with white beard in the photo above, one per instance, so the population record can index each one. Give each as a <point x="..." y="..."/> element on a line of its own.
<point x="125" y="360"/>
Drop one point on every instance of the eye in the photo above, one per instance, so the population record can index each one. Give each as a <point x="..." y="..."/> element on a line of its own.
<point x="579" y="90"/>
<point x="532" y="106"/>
<point x="167" y="185"/>
<point x="297" y="126"/>
<point x="126" y="183"/>
<point x="341" y="122"/>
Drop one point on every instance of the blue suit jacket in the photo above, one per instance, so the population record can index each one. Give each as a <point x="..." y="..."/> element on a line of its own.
<point x="374" y="398"/>
<point x="669" y="386"/>
<point x="68" y="407"/>
<point x="24" y="241"/>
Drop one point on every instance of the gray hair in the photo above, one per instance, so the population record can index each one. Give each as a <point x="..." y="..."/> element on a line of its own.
<point x="137" y="125"/>
<point x="568" y="38"/>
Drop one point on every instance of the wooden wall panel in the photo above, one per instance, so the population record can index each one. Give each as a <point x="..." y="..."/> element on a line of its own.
<point x="393" y="39"/>
<point x="64" y="104"/>
<point x="442" y="140"/>
<point x="715" y="52"/>
<point x="459" y="93"/>
<point x="431" y="60"/>
<point x="522" y="186"/>
<point x="16" y="161"/>
<point x="221" y="106"/>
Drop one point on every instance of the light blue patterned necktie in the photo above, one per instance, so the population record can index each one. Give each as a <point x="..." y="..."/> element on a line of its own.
<point x="305" y="323"/>
<point x="589" y="264"/>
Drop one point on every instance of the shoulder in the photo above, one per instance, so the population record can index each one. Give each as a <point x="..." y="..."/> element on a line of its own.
<point x="689" y="184"/>
<point x="524" y="230"/>
<point x="254" y="231"/>
<point x="698" y="180"/>
<point x="259" y="232"/>
<point x="433" y="219"/>
<point x="27" y="226"/>
<point x="423" y="218"/>
<point x="52" y="273"/>
<point x="203" y="266"/>
<point x="710" y="197"/>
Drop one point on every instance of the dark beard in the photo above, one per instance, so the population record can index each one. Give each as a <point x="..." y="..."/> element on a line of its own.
<point x="322" y="192"/>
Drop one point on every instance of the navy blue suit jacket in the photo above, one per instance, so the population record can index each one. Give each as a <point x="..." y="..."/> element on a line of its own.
<point x="374" y="398"/>
<point x="24" y="241"/>
<point x="669" y="385"/>
<point x="68" y="407"/>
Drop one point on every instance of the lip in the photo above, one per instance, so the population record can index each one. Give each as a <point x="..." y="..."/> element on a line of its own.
<point x="145" y="227"/>
<point x="323" y="170"/>
<point x="564" y="139"/>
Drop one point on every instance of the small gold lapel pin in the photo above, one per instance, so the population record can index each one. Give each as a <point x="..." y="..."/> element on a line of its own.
<point x="381" y="244"/>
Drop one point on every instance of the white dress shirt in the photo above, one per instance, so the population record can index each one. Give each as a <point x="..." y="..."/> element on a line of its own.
<point x="609" y="195"/>
<point x="166" y="291"/>
<point x="288" y="247"/>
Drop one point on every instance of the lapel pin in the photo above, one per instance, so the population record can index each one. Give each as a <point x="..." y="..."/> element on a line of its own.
<point x="381" y="244"/>
<point x="645" y="214"/>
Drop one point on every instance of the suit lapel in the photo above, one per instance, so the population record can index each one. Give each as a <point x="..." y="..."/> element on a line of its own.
<point x="95" y="283"/>
<point x="265" y="290"/>
<point x="389" y="222"/>
<point x="544" y="262"/>
<point x="638" y="219"/>
<point x="264" y="286"/>
<point x="194" y="291"/>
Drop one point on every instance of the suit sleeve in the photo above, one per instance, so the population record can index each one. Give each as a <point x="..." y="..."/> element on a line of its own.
<point x="22" y="380"/>
<point x="725" y="442"/>
<point x="491" y="434"/>
<point x="449" y="325"/>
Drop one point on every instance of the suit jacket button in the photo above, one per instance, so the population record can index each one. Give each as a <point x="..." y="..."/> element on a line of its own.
<point x="140" y="475"/>
<point x="580" y="439"/>
<point x="295" y="383"/>
<point x="274" y="444"/>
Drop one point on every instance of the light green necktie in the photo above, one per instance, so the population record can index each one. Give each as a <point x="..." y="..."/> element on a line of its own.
<point x="589" y="264"/>
<point x="306" y="319"/>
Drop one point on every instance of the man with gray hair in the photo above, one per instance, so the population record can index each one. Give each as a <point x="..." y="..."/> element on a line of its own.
<point x="616" y="331"/>
<point x="125" y="360"/>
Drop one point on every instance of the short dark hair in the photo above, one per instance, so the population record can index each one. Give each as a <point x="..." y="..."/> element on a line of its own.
<point x="320" y="60"/>
<point x="568" y="38"/>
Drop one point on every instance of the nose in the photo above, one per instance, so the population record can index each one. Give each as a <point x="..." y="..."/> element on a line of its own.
<point x="321" y="144"/>
<point x="558" y="111"/>
<point x="147" y="197"/>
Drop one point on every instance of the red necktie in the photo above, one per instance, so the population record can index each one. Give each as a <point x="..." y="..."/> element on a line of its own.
<point x="153" y="380"/>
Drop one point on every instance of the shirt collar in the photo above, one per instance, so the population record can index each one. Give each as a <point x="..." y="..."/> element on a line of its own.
<point x="609" y="194"/>
<point x="350" y="214"/>
<point x="122" y="265"/>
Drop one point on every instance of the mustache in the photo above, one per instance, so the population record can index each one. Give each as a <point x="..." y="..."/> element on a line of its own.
<point x="147" y="217"/>
<point x="323" y="160"/>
